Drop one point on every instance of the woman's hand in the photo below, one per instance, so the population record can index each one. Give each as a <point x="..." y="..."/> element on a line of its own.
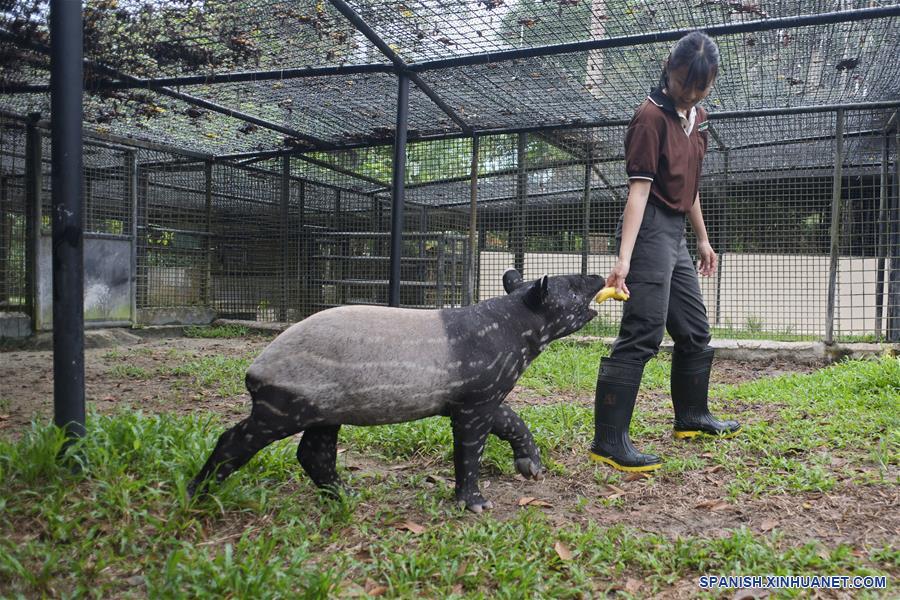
<point x="708" y="259"/>
<point x="617" y="275"/>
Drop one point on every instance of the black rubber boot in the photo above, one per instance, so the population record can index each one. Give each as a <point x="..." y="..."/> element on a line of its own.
<point x="690" y="387"/>
<point x="617" y="387"/>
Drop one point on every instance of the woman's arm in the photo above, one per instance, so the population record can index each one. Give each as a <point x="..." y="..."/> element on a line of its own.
<point x="708" y="259"/>
<point x="638" y="192"/>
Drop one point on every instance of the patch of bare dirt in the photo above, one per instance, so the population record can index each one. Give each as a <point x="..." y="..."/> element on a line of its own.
<point x="27" y="376"/>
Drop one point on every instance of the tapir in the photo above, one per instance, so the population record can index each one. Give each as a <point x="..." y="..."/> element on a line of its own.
<point x="373" y="365"/>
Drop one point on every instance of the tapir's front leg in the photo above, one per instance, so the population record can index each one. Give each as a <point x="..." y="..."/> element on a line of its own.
<point x="510" y="427"/>
<point x="471" y="426"/>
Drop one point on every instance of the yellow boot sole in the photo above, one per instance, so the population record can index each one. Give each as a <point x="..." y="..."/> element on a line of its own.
<point x="615" y="465"/>
<point x="684" y="435"/>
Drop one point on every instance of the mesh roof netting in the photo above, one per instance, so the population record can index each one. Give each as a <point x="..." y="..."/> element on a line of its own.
<point x="854" y="61"/>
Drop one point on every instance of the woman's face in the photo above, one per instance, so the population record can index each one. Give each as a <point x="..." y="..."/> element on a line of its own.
<point x="686" y="95"/>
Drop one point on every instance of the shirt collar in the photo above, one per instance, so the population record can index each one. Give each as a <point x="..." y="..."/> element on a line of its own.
<point x="661" y="100"/>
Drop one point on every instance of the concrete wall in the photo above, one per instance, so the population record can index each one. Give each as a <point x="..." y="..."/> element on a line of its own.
<point x="781" y="293"/>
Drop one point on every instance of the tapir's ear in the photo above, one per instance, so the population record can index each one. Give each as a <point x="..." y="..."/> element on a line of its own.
<point x="537" y="294"/>
<point x="512" y="280"/>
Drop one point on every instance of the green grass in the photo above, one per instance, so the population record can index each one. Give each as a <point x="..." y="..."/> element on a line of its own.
<point x="130" y="372"/>
<point x="572" y="367"/>
<point x="217" y="331"/>
<point x="222" y="374"/>
<point x="849" y="412"/>
<point x="120" y="526"/>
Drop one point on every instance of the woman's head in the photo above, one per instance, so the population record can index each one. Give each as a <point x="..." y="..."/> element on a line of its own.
<point x="691" y="69"/>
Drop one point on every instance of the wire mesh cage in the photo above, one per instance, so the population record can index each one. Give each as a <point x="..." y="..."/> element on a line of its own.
<point x="246" y="158"/>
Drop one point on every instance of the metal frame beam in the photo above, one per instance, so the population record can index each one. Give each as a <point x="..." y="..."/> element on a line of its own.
<point x="152" y="83"/>
<point x="659" y="36"/>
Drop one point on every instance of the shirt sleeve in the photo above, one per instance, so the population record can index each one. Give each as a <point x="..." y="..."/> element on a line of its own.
<point x="642" y="143"/>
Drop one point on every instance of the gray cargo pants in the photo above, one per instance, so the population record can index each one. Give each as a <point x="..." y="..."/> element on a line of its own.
<point x="665" y="291"/>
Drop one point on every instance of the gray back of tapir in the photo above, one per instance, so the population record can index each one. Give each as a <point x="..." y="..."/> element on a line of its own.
<point x="370" y="365"/>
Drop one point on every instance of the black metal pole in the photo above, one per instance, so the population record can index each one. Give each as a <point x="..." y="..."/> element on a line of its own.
<point x="68" y="245"/>
<point x="723" y="240"/>
<point x="398" y="191"/>
<point x="882" y="221"/>
<point x="893" y="302"/>
<point x="517" y="236"/>
<point x="471" y="296"/>
<point x="586" y="215"/>
<point x="285" y="242"/>
<point x="33" y="156"/>
<point x="835" y="228"/>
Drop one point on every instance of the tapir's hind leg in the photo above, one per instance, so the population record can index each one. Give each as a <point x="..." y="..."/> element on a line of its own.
<point x="237" y="446"/>
<point x="317" y="453"/>
<point x="510" y="427"/>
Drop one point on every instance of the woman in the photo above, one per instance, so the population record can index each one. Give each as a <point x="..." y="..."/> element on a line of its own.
<point x="664" y="148"/>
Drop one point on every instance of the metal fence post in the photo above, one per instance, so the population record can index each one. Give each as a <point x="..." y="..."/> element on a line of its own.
<point x="518" y="240"/>
<point x="33" y="208"/>
<point x="398" y="189"/>
<point x="131" y="187"/>
<point x="206" y="294"/>
<point x="893" y="320"/>
<point x="285" y="201"/>
<point x="835" y="227"/>
<point x="66" y="88"/>
<point x="880" y="240"/>
<point x="471" y="297"/>
<point x="723" y="238"/>
<point x="586" y="214"/>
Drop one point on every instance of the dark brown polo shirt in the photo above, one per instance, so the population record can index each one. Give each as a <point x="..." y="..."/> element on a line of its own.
<point x="658" y="149"/>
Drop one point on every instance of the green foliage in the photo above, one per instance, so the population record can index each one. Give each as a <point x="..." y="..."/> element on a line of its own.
<point x="217" y="331"/>
<point x="130" y="372"/>
<point x="222" y="374"/>
<point x="120" y="526"/>
<point x="572" y="367"/>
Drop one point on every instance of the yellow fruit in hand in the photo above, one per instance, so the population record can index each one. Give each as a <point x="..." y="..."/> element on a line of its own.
<point x="610" y="292"/>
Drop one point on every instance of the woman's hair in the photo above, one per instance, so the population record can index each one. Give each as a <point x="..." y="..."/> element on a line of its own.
<point x="699" y="53"/>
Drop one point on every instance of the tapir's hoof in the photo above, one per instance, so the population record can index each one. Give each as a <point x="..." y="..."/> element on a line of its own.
<point x="528" y="468"/>
<point x="476" y="503"/>
<point x="336" y="491"/>
<point x="197" y="489"/>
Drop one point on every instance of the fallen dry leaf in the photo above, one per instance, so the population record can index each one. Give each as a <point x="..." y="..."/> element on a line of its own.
<point x="768" y="525"/>
<point x="375" y="589"/>
<point x="411" y="526"/>
<point x="637" y="476"/>
<point x="713" y="505"/>
<point x="562" y="551"/>
<point x="462" y="568"/>
<point x="529" y="501"/>
<point x="632" y="585"/>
